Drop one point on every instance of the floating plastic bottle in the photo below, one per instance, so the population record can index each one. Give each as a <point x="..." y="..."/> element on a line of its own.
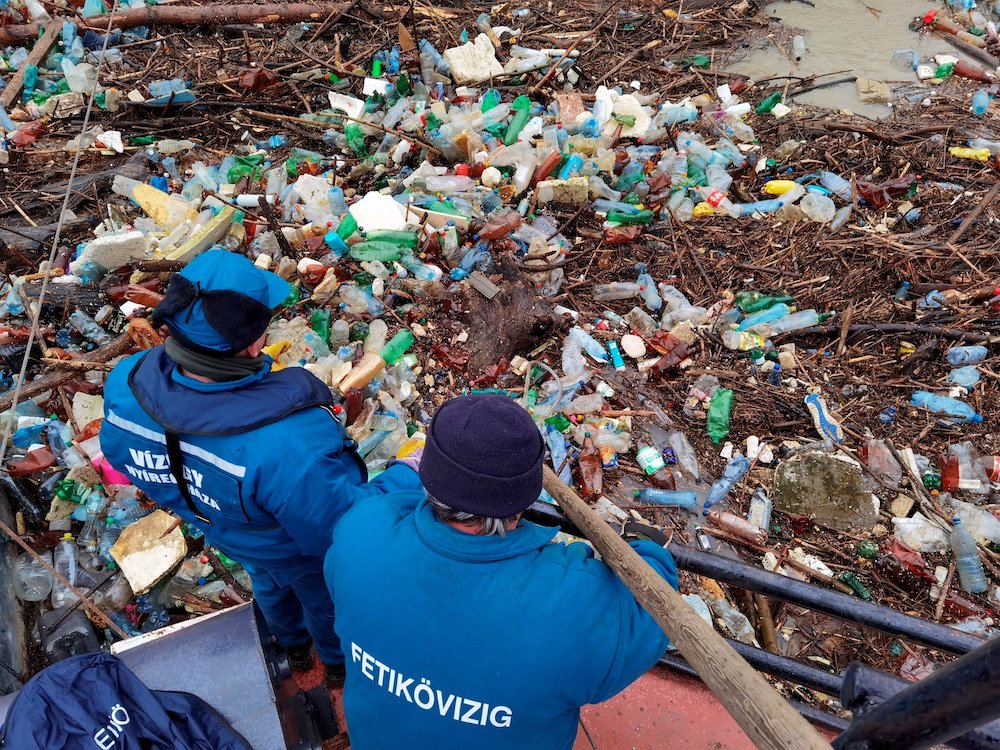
<point x="88" y="328"/>
<point x="615" y="290"/>
<point x="654" y="467"/>
<point x="958" y="411"/>
<point x="960" y="356"/>
<point x="759" y="513"/>
<point x="967" y="561"/>
<point x="669" y="498"/>
<point x="65" y="563"/>
<point x="685" y="454"/>
<point x="980" y="102"/>
<point x="32" y="580"/>
<point x="793" y="322"/>
<point x="734" y="472"/>
<point x="591" y="468"/>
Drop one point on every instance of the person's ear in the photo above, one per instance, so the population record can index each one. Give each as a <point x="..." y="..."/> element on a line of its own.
<point x="257" y="346"/>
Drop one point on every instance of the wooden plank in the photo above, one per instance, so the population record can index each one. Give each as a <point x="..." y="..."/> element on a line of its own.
<point x="764" y="715"/>
<point x="38" y="53"/>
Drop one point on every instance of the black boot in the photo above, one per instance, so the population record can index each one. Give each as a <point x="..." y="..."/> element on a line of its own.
<point x="335" y="675"/>
<point x="301" y="658"/>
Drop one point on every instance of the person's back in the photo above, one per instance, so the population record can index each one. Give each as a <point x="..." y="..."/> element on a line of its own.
<point x="455" y="639"/>
<point x="255" y="458"/>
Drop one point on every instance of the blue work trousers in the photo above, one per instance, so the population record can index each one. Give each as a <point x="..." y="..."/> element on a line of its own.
<point x="297" y="606"/>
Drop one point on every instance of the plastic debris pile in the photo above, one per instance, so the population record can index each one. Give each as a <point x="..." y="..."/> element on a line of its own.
<point x="665" y="276"/>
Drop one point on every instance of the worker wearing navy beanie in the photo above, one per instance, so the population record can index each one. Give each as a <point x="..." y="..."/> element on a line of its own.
<point x="464" y="626"/>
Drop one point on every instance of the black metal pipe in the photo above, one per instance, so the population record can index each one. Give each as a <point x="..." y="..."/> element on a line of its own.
<point x="823" y="600"/>
<point x="864" y="688"/>
<point x="784" y="668"/>
<point x="815" y="715"/>
<point x="790" y="590"/>
<point x="954" y="700"/>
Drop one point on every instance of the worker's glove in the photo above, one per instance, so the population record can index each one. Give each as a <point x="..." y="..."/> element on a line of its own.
<point x="412" y="460"/>
<point x="634" y="532"/>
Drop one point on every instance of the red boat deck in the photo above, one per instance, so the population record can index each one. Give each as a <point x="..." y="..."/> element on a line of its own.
<point x="663" y="709"/>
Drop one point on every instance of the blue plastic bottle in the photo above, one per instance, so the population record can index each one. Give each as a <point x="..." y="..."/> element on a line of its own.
<point x="735" y="470"/>
<point x="980" y="102"/>
<point x="670" y="498"/>
<point x="959" y="411"/>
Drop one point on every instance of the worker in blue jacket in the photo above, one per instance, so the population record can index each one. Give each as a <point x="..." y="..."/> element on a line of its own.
<point x="465" y="626"/>
<point x="254" y="458"/>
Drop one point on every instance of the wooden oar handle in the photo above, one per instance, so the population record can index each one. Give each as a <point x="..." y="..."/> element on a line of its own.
<point x="760" y="711"/>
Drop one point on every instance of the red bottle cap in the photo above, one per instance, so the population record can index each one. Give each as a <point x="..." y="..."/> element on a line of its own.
<point x="930" y="16"/>
<point x="462" y="170"/>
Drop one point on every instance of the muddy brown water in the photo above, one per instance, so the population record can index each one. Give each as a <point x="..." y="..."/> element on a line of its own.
<point x="841" y="35"/>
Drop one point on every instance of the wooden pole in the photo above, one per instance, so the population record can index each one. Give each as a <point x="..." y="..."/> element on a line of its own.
<point x="763" y="714"/>
<point x="187" y="15"/>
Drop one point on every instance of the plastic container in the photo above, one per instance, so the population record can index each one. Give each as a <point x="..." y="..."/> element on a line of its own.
<point x="32" y="580"/>
<point x="958" y="411"/>
<point x="735" y="470"/>
<point x="615" y="290"/>
<point x="960" y="356"/>
<point x="668" y="498"/>
<point x="967" y="562"/>
<point x="980" y="102"/>
<point x="65" y="563"/>
<point x="759" y="513"/>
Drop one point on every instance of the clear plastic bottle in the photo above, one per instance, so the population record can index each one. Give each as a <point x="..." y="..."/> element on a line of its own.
<point x="734" y="472"/>
<point x="88" y="328"/>
<point x="65" y="563"/>
<point x="32" y="580"/>
<point x="594" y="348"/>
<point x="798" y="47"/>
<point x="759" y="513"/>
<point x="640" y="321"/>
<point x="793" y="322"/>
<point x="967" y="562"/>
<point x="836" y="185"/>
<point x="615" y="290"/>
<point x="718" y="199"/>
<point x="685" y="455"/>
<point x="670" y="498"/>
<point x="647" y="290"/>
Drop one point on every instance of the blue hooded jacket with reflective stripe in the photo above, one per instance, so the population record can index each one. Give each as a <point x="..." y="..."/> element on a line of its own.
<point x="265" y="462"/>
<point x="456" y="641"/>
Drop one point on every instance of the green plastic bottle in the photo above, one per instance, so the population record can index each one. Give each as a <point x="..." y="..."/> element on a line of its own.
<point x="762" y="302"/>
<point x="348" y="226"/>
<point x="639" y="216"/>
<point x="396" y="347"/>
<point x="521" y="107"/>
<point x="356" y="139"/>
<point x="398" y="237"/>
<point x="403" y="85"/>
<point x="769" y="102"/>
<point x="320" y="323"/>
<point x="491" y="98"/>
<point x="382" y="251"/>
<point x="376" y="68"/>
<point x="720" y="409"/>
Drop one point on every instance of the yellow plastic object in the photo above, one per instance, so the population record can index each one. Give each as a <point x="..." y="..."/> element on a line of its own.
<point x="168" y="211"/>
<point x="411" y="445"/>
<point x="274" y="351"/>
<point x="978" y="154"/>
<point x="702" y="211"/>
<point x="778" y="187"/>
<point x="210" y="234"/>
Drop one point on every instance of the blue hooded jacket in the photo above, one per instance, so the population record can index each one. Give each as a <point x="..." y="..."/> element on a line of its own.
<point x="455" y="641"/>
<point x="269" y="467"/>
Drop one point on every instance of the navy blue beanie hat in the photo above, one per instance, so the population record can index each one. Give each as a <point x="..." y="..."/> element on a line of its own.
<point x="484" y="456"/>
